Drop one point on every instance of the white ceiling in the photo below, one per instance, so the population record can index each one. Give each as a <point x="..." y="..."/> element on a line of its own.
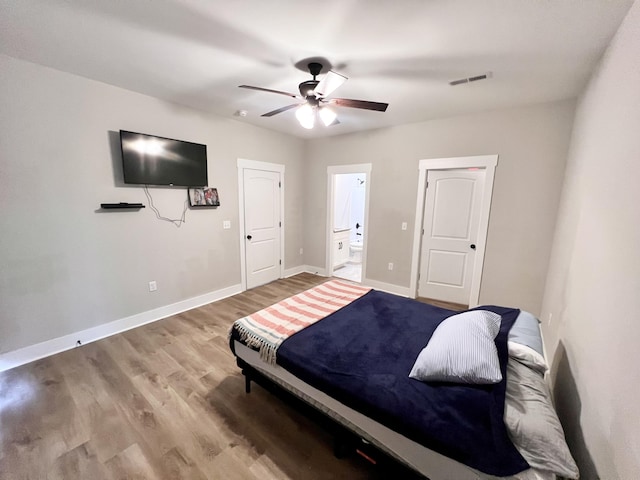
<point x="403" y="52"/>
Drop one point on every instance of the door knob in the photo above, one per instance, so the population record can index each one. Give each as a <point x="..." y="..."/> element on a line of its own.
<point x="473" y="246"/>
<point x="249" y="237"/>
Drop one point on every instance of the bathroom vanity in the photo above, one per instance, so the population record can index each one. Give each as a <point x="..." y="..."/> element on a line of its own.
<point x="340" y="247"/>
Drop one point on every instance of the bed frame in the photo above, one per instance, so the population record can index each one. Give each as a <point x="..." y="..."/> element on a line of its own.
<point x="351" y="429"/>
<point x="345" y="441"/>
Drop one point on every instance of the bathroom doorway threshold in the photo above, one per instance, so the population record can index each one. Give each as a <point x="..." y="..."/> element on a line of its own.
<point x="349" y="271"/>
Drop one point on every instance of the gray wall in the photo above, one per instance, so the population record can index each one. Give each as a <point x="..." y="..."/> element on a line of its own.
<point x="68" y="267"/>
<point x="532" y="143"/>
<point x="65" y="267"/>
<point x="592" y="303"/>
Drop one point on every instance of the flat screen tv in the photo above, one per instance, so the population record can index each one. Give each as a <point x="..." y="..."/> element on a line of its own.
<point x="151" y="160"/>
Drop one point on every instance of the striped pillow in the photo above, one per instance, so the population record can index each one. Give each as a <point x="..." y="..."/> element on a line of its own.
<point x="462" y="350"/>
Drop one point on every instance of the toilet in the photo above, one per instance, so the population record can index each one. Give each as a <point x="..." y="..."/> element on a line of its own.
<point x="355" y="252"/>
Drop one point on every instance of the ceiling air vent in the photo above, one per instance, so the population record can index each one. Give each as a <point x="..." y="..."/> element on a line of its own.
<point x="475" y="78"/>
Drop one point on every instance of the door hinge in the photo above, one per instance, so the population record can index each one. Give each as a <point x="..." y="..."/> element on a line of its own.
<point x="280" y="224"/>
<point x="280" y="262"/>
<point x="427" y="185"/>
<point x="279" y="184"/>
<point x="422" y="232"/>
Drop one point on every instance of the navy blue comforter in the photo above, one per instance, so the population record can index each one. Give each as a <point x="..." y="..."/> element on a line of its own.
<point x="362" y="355"/>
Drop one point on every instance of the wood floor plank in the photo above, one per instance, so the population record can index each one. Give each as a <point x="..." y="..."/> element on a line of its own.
<point x="108" y="432"/>
<point x="162" y="362"/>
<point x="80" y="462"/>
<point x="127" y="357"/>
<point x="131" y="464"/>
<point x="133" y="409"/>
<point x="442" y="304"/>
<point x="178" y="466"/>
<point x="46" y="407"/>
<point x="188" y="358"/>
<point x="163" y="401"/>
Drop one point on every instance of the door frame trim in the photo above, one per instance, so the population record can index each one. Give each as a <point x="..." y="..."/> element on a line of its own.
<point x="333" y="170"/>
<point x="268" y="167"/>
<point x="489" y="164"/>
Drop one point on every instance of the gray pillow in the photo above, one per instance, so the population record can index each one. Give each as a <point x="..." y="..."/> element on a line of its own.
<point x="462" y="350"/>
<point x="526" y="331"/>
<point x="533" y="424"/>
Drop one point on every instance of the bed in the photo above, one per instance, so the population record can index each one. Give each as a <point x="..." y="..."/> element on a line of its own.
<point x="409" y="379"/>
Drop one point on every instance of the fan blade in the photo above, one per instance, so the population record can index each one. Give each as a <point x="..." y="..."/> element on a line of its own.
<point x="329" y="83"/>
<point x="279" y="110"/>
<point x="260" y="89"/>
<point x="347" y="102"/>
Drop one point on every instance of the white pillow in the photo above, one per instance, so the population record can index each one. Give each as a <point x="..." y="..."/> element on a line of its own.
<point x="528" y="356"/>
<point x="462" y="350"/>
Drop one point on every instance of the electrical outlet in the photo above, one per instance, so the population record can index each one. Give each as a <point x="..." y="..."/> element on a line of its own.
<point x="226" y="224"/>
<point x="390" y="266"/>
<point x="153" y="286"/>
<point x="404" y="225"/>
<point x="301" y="251"/>
<point x="550" y="317"/>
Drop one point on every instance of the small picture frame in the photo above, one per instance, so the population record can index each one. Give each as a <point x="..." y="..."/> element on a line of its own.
<point x="204" y="197"/>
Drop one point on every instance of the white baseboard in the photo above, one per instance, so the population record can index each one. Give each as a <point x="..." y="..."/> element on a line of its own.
<point x="290" y="272"/>
<point x="60" y="344"/>
<point x="315" y="270"/>
<point x="387" y="287"/>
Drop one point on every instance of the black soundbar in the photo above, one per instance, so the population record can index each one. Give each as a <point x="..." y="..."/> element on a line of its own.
<point x="121" y="205"/>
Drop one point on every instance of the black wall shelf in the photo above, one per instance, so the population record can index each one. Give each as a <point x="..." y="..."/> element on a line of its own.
<point x="110" y="206"/>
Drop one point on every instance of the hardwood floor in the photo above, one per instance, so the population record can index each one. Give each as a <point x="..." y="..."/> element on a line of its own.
<point x="458" y="307"/>
<point x="164" y="401"/>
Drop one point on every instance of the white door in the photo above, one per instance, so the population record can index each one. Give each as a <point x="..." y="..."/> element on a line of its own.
<point x="262" y="223"/>
<point x="450" y="232"/>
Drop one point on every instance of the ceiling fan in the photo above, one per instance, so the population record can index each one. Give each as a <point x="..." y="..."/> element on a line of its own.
<point x="315" y="103"/>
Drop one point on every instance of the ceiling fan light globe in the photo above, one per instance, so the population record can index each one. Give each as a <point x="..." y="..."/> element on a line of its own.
<point x="327" y="116"/>
<point x="306" y="116"/>
<point x="330" y="82"/>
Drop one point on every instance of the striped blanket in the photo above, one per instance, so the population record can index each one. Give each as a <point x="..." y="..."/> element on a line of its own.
<point x="267" y="329"/>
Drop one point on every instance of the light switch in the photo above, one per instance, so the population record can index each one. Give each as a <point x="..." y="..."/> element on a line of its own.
<point x="226" y="224"/>
<point x="404" y="225"/>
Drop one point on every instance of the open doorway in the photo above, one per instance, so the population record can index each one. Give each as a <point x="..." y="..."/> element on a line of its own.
<point x="347" y="221"/>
